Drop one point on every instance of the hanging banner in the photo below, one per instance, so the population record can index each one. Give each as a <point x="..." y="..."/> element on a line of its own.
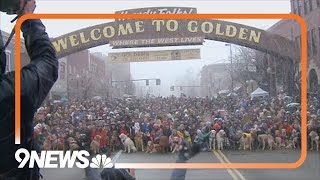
<point x="143" y="56"/>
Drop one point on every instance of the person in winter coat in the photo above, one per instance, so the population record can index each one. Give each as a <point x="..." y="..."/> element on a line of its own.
<point x="200" y="138"/>
<point x="187" y="153"/>
<point x="37" y="78"/>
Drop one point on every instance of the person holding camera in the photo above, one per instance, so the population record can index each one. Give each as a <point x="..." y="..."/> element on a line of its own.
<point x="37" y="78"/>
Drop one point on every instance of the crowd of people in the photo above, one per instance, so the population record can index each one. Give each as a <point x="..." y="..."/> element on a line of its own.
<point x="177" y="118"/>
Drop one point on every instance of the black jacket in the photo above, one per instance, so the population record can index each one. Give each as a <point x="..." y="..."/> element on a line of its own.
<point x="37" y="78"/>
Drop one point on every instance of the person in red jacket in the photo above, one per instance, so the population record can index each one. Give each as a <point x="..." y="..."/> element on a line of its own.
<point x="124" y="129"/>
<point x="93" y="132"/>
<point x="103" y="134"/>
<point x="216" y="126"/>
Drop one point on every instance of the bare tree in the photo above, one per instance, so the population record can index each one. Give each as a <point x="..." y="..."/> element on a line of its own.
<point x="86" y="86"/>
<point x="104" y="88"/>
<point x="247" y="65"/>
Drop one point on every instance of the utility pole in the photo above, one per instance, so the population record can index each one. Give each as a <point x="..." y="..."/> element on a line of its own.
<point x="231" y="68"/>
<point x="231" y="62"/>
<point x="68" y="93"/>
<point x="111" y="94"/>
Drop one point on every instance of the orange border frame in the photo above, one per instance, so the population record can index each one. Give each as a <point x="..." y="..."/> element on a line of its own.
<point x="299" y="19"/>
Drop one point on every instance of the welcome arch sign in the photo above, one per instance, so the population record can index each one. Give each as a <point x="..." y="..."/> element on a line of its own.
<point x="172" y="32"/>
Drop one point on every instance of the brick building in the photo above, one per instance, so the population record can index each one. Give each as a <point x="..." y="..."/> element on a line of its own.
<point x="309" y="10"/>
<point x="119" y="76"/>
<point x="76" y="76"/>
<point x="214" y="77"/>
<point x="59" y="89"/>
<point x="81" y="75"/>
<point x="10" y="52"/>
<point x="85" y="75"/>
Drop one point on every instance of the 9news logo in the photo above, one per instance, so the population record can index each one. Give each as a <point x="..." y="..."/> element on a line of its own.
<point x="59" y="159"/>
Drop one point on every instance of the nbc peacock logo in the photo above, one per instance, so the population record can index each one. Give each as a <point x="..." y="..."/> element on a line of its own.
<point x="101" y="161"/>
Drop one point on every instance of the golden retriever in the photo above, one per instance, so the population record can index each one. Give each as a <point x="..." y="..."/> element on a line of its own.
<point x="266" y="138"/>
<point x="220" y="139"/>
<point x="128" y="143"/>
<point x="73" y="144"/>
<point x="278" y="141"/>
<point x="163" y="144"/>
<point x="314" y="140"/>
<point x="150" y="147"/>
<point x="95" y="144"/>
<point x="47" y="144"/>
<point x="246" y="141"/>
<point x="176" y="144"/>
<point x="138" y="139"/>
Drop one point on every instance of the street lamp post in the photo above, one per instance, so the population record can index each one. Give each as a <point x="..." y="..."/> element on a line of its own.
<point x="68" y="90"/>
<point x="78" y="90"/>
<point x="247" y="90"/>
<point x="70" y="81"/>
<point x="111" y="85"/>
<point x="250" y="83"/>
<point x="231" y="63"/>
<point x="78" y="77"/>
<point x="114" y="76"/>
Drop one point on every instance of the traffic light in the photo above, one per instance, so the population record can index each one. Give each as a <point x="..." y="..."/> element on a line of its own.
<point x="158" y="82"/>
<point x="147" y="82"/>
<point x="172" y="88"/>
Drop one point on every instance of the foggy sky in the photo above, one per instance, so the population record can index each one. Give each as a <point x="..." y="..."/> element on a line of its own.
<point x="211" y="51"/>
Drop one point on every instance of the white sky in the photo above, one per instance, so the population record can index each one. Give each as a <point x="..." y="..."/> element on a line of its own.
<point x="211" y="51"/>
